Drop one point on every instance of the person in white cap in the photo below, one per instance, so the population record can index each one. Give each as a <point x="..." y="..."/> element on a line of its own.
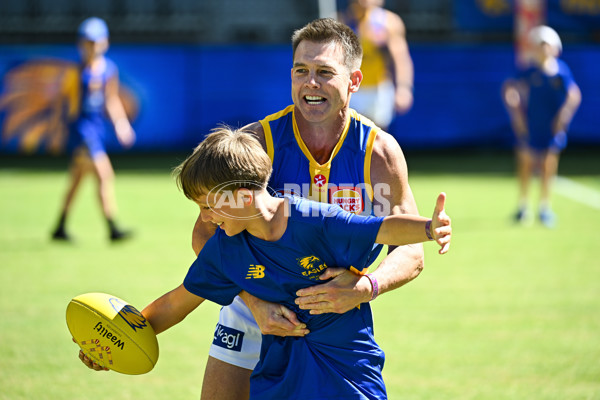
<point x="99" y="97"/>
<point x="541" y="102"/>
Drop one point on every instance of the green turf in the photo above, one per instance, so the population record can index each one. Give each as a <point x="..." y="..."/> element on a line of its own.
<point x="511" y="312"/>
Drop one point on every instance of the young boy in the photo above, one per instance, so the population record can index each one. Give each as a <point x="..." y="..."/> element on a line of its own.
<point x="99" y="95"/>
<point x="272" y="247"/>
<point x="541" y="102"/>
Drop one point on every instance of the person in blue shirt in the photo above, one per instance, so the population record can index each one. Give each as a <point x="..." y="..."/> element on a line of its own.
<point x="272" y="247"/>
<point x="99" y="97"/>
<point x="541" y="102"/>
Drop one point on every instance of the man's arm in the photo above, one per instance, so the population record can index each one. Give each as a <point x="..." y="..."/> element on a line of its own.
<point x="402" y="264"/>
<point x="403" y="67"/>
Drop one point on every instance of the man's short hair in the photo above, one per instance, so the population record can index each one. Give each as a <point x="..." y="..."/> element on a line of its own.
<point x="324" y="30"/>
<point x="227" y="159"/>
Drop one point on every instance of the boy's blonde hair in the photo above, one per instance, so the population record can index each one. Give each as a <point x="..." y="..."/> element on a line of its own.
<point x="227" y="159"/>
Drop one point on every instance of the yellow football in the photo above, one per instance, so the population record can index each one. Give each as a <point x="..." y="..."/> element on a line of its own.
<point x="113" y="333"/>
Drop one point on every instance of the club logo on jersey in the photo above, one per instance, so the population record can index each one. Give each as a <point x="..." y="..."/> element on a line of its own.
<point x="312" y="265"/>
<point x="320" y="180"/>
<point x="129" y="313"/>
<point x="348" y="198"/>
<point x="256" y="272"/>
<point x="228" y="338"/>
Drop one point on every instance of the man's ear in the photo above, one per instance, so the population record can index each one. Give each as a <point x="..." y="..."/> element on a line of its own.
<point x="246" y="196"/>
<point x="356" y="78"/>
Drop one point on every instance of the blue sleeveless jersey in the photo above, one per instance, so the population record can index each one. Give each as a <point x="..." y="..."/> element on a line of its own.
<point x="89" y="128"/>
<point x="339" y="358"/>
<point x="344" y="180"/>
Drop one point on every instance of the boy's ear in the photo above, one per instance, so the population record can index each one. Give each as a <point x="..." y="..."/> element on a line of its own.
<point x="246" y="196"/>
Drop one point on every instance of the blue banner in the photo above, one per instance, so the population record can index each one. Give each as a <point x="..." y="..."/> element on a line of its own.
<point x="176" y="94"/>
<point x="484" y="15"/>
<point x="574" y="15"/>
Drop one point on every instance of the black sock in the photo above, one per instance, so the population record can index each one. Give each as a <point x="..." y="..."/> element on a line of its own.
<point x="61" y="222"/>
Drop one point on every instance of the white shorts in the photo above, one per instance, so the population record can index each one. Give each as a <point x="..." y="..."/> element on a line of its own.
<point x="237" y="337"/>
<point x="376" y="103"/>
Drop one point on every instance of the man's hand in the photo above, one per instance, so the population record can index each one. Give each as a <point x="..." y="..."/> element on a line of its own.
<point x="403" y="99"/>
<point x="274" y="319"/>
<point x="344" y="292"/>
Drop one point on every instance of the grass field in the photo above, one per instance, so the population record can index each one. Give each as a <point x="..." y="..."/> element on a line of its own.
<point x="512" y="312"/>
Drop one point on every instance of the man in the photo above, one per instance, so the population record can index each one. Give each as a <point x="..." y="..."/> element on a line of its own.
<point x="315" y="141"/>
<point x="388" y="71"/>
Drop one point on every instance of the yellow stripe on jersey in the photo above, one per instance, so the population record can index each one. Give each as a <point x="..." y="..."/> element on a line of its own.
<point x="368" y="154"/>
<point x="267" y="129"/>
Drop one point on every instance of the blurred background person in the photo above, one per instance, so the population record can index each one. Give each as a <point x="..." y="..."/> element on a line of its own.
<point x="99" y="97"/>
<point x="541" y="102"/>
<point x="387" y="67"/>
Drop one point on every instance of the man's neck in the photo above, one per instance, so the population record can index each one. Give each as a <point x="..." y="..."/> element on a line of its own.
<point x="321" y="138"/>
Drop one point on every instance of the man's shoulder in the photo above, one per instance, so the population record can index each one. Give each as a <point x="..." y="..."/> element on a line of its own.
<point x="256" y="129"/>
<point x="385" y="146"/>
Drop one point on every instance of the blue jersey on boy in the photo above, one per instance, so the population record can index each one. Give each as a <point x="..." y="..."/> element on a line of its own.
<point x="339" y="358"/>
<point x="89" y="129"/>
<point x="546" y="95"/>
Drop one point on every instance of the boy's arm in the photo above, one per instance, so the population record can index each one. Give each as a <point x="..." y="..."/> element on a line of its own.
<point x="164" y="312"/>
<point x="171" y="308"/>
<point x="568" y="109"/>
<point x="116" y="113"/>
<point x="512" y="95"/>
<point x="406" y="229"/>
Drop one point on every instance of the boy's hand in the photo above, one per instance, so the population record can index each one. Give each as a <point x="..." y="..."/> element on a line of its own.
<point x="441" y="228"/>
<point x="89" y="362"/>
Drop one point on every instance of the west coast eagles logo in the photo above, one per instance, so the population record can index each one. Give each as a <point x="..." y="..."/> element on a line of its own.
<point x="312" y="265"/>
<point x="129" y="313"/>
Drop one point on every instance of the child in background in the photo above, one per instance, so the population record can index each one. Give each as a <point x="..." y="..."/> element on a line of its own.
<point x="541" y="102"/>
<point x="99" y="94"/>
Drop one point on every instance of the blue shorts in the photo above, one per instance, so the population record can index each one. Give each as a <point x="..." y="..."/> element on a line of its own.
<point x="555" y="143"/>
<point x="89" y="133"/>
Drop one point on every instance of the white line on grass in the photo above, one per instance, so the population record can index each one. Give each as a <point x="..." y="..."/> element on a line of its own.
<point x="577" y="192"/>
